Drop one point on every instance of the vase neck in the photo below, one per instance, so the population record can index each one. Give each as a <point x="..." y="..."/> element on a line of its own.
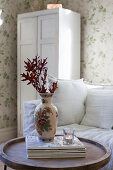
<point x="46" y="98"/>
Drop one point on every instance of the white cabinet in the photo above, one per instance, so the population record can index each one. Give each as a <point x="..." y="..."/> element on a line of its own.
<point x="54" y="34"/>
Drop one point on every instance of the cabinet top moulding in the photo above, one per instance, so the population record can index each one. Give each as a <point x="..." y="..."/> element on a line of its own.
<point x="45" y="12"/>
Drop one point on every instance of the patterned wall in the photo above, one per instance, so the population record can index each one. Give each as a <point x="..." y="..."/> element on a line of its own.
<point x="8" y="64"/>
<point x="97" y="39"/>
<point x="96" y="46"/>
<point x="8" y="58"/>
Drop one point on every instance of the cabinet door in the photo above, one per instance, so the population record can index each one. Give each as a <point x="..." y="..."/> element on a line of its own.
<point x="48" y="38"/>
<point x="27" y="48"/>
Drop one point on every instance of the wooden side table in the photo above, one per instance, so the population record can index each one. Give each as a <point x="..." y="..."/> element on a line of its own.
<point x="13" y="154"/>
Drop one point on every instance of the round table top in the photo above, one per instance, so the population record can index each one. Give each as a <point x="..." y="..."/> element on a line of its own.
<point x="13" y="154"/>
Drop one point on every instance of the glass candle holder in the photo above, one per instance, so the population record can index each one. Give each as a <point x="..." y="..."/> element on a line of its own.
<point x="68" y="136"/>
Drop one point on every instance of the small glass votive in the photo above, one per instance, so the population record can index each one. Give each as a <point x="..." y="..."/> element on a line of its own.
<point x="68" y="136"/>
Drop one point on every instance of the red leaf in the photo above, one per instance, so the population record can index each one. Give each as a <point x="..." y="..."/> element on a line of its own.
<point x="34" y="69"/>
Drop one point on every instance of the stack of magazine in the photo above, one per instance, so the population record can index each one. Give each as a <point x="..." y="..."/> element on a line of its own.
<point x="56" y="149"/>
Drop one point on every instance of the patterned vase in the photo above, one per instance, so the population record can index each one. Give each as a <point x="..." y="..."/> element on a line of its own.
<point x="46" y="117"/>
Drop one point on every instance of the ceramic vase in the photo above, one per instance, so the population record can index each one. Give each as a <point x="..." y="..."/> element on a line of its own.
<point x="46" y="117"/>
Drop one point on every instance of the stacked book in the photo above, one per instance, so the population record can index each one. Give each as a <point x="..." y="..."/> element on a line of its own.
<point x="56" y="149"/>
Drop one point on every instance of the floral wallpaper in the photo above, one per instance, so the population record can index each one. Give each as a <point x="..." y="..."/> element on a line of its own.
<point x="8" y="58"/>
<point x="96" y="46"/>
<point x="96" y="39"/>
<point x="8" y="64"/>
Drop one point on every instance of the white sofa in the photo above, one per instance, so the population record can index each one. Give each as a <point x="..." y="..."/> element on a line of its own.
<point x="88" y="109"/>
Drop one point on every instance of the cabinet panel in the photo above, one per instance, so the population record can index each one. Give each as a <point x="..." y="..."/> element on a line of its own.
<point x="27" y="30"/>
<point x="50" y="51"/>
<point x="48" y="27"/>
<point x="48" y="36"/>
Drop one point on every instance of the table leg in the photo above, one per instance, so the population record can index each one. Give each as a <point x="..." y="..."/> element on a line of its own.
<point x="5" y="167"/>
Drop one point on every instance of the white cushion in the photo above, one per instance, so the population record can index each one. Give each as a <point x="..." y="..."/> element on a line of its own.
<point x="69" y="98"/>
<point x="99" y="108"/>
<point x="98" y="86"/>
<point x="29" y="108"/>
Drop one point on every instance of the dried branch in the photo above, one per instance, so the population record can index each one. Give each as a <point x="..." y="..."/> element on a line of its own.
<point x="36" y="74"/>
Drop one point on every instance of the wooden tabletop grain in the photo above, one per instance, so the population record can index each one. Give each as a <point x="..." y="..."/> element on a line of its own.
<point x="13" y="154"/>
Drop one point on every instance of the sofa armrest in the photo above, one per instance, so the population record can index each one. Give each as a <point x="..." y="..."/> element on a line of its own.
<point x="29" y="125"/>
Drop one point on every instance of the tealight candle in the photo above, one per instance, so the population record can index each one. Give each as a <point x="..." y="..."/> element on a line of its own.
<point x="68" y="137"/>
